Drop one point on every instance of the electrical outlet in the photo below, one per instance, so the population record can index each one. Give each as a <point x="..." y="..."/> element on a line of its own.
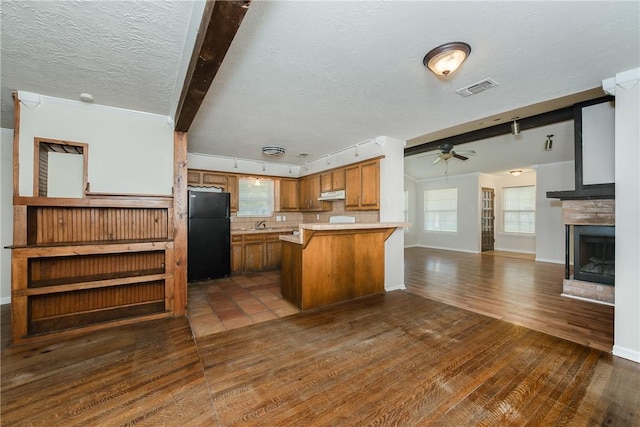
<point x="278" y="218"/>
<point x="284" y="217"/>
<point x="317" y="216"/>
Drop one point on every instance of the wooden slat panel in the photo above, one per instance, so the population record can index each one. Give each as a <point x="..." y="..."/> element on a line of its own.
<point x="63" y="303"/>
<point x="72" y="225"/>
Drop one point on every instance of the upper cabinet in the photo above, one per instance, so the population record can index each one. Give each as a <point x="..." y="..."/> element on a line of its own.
<point x="309" y="192"/>
<point x="332" y="180"/>
<point x="362" y="186"/>
<point x="289" y="195"/>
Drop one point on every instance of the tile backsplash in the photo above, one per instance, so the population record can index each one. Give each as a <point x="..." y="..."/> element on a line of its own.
<point x="292" y="219"/>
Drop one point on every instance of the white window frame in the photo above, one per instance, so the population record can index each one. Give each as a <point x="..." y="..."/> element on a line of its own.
<point x="441" y="210"/>
<point x="515" y="203"/>
<point x="257" y="204"/>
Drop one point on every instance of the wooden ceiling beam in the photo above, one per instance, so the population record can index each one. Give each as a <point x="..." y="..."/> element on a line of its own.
<point x="219" y="25"/>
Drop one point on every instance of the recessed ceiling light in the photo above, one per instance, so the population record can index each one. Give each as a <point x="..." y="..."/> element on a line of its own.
<point x="86" y="97"/>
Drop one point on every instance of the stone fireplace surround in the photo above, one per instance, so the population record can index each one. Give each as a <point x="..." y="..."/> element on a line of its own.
<point x="599" y="212"/>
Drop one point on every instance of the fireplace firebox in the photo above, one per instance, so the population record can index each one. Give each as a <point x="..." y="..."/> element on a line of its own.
<point x="594" y="253"/>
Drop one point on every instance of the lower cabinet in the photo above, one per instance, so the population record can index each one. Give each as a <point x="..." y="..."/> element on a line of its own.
<point x="252" y="252"/>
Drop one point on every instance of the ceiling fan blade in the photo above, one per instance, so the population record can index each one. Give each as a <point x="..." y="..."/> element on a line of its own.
<point x="466" y="152"/>
<point x="436" y="160"/>
<point x="427" y="155"/>
<point x="458" y="156"/>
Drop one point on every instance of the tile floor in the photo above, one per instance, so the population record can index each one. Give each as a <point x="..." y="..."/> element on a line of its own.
<point x="237" y="301"/>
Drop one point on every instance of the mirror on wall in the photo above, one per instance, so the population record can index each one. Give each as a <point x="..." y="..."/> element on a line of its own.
<point x="60" y="168"/>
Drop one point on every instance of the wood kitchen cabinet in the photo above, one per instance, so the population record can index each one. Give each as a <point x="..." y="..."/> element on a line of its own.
<point x="253" y="254"/>
<point x="194" y="177"/>
<point x="289" y="195"/>
<point x="237" y="257"/>
<point x="232" y="188"/>
<point x="362" y="186"/>
<point x="332" y="180"/>
<point x="214" y="180"/>
<point x="309" y="192"/>
<point x="256" y="251"/>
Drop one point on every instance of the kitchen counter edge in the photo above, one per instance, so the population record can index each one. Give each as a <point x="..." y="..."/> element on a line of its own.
<point x="340" y="226"/>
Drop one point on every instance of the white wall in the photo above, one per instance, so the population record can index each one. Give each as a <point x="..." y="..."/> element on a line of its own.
<point x="512" y="242"/>
<point x="64" y="177"/>
<point x="467" y="238"/>
<point x="6" y="213"/>
<point x="627" y="175"/>
<point x="598" y="144"/>
<point x="392" y="208"/>
<point x="129" y="152"/>
<point x="410" y="237"/>
<point x="550" y="230"/>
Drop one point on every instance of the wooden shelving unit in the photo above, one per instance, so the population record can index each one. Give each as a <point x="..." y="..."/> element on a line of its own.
<point x="85" y="264"/>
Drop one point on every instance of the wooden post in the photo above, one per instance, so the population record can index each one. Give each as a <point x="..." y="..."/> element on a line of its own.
<point x="180" y="222"/>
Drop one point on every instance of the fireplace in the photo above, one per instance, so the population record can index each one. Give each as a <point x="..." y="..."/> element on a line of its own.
<point x="594" y="253"/>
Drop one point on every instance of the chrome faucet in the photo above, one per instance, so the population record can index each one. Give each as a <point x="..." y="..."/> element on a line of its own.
<point x="260" y="224"/>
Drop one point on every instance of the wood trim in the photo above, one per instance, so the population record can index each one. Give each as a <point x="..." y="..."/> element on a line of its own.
<point x="538" y="120"/>
<point x="89" y="248"/>
<point x="219" y="25"/>
<point x="86" y="329"/>
<point x="180" y="224"/>
<point x="106" y="201"/>
<point x="36" y="160"/>
<point x="16" y="145"/>
<point x="91" y="285"/>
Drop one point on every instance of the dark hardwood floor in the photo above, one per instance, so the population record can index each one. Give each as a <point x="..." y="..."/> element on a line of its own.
<point x="392" y="359"/>
<point x="520" y="291"/>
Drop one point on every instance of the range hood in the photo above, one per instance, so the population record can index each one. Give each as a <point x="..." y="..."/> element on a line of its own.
<point x="332" y="195"/>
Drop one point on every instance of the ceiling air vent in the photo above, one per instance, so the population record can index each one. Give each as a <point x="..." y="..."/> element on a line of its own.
<point x="273" y="150"/>
<point x="481" y="86"/>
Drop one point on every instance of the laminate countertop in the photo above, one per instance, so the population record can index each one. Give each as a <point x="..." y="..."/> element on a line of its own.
<point x="299" y="238"/>
<point x="263" y="230"/>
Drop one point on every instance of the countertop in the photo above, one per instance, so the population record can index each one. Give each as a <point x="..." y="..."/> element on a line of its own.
<point x="340" y="226"/>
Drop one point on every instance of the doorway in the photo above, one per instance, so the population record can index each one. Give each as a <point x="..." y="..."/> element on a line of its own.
<point x="487" y="219"/>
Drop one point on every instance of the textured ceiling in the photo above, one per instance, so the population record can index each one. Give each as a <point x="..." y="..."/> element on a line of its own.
<point x="127" y="54"/>
<point x="319" y="76"/>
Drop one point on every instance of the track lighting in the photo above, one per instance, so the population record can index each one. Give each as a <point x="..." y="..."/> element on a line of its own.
<point x="235" y="163"/>
<point x="548" y="145"/>
<point x="357" y="155"/>
<point x="289" y="168"/>
<point x="263" y="167"/>
<point x="515" y="127"/>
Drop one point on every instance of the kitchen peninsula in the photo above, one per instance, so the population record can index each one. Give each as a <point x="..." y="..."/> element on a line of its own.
<point x="329" y="263"/>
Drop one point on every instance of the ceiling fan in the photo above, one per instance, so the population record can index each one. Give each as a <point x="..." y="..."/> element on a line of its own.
<point x="447" y="152"/>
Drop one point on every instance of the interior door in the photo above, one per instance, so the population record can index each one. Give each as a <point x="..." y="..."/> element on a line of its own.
<point x="487" y="219"/>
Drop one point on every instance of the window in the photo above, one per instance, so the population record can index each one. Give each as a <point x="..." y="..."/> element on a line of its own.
<point x="519" y="209"/>
<point x="441" y="210"/>
<point x="255" y="197"/>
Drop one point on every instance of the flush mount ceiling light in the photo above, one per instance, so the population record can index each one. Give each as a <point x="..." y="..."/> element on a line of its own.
<point x="273" y="150"/>
<point x="446" y="58"/>
<point x="516" y="172"/>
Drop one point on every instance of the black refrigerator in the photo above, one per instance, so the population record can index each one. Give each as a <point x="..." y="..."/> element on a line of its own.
<point x="209" y="247"/>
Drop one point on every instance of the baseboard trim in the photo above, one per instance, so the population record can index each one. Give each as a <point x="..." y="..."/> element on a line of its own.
<point x="551" y="261"/>
<point x="400" y="287"/>
<point x="447" y="249"/>
<point x="626" y="353"/>
<point x="588" y="300"/>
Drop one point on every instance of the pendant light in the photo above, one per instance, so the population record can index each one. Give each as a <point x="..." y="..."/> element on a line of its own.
<point x="515" y="127"/>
